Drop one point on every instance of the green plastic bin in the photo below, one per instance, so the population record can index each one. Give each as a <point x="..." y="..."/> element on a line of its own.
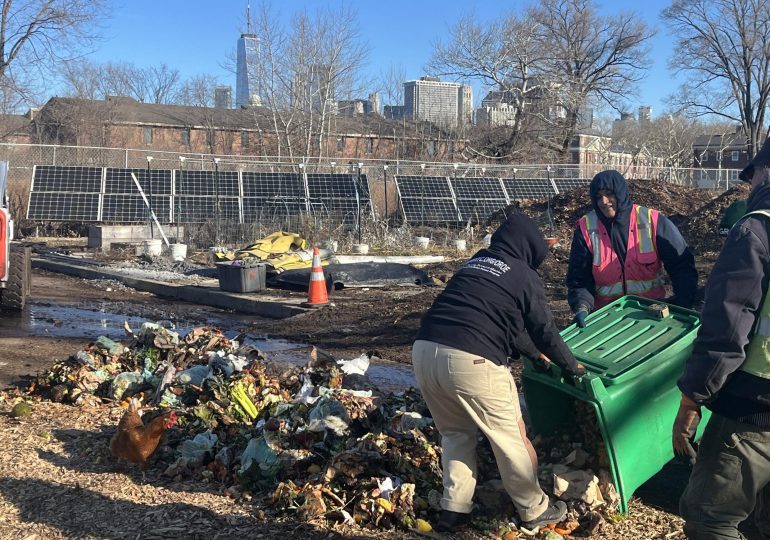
<point x="633" y="358"/>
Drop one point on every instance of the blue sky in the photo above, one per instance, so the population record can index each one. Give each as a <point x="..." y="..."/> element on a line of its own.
<point x="196" y="36"/>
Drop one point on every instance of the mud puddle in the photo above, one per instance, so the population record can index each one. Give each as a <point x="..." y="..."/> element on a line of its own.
<point x="91" y="321"/>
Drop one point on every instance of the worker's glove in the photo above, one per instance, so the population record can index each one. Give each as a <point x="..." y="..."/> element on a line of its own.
<point x="580" y="318"/>
<point x="571" y="376"/>
<point x="686" y="424"/>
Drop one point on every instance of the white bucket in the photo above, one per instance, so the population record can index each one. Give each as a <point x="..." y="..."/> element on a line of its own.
<point x="177" y="252"/>
<point x="213" y="252"/>
<point x="460" y="245"/>
<point x="151" y="248"/>
<point x="422" y="242"/>
<point x="331" y="245"/>
<point x="362" y="249"/>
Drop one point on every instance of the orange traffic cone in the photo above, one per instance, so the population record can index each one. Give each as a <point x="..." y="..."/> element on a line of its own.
<point x="316" y="292"/>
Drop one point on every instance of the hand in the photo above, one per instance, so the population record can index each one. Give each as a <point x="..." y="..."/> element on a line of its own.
<point x="685" y="425"/>
<point x="571" y="376"/>
<point x="580" y="318"/>
<point x="543" y="363"/>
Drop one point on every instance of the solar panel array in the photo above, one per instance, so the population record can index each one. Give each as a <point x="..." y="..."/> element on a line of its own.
<point x="192" y="196"/>
<point x="65" y="193"/>
<point x="441" y="199"/>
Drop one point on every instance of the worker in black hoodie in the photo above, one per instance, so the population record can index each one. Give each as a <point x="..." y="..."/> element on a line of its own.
<point x="622" y="248"/>
<point x="460" y="359"/>
<point x="729" y="373"/>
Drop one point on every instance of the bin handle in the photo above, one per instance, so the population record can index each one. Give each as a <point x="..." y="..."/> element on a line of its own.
<point x="589" y="383"/>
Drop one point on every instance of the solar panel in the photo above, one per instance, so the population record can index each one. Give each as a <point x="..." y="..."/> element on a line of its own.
<point x="266" y="185"/>
<point x="197" y="209"/>
<point x="132" y="208"/>
<point x="119" y="181"/>
<point x="568" y="184"/>
<point x="426" y="199"/>
<point x="429" y="211"/>
<point x="528" y="188"/>
<point x="478" y="197"/>
<point x="67" y="179"/>
<point x="479" y="210"/>
<point x="207" y="183"/>
<point x="478" y="188"/>
<point x="423" y="186"/>
<point x="322" y="186"/>
<point x="257" y="209"/>
<point x="63" y="206"/>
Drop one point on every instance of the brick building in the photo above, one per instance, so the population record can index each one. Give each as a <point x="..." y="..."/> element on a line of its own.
<point x="121" y="122"/>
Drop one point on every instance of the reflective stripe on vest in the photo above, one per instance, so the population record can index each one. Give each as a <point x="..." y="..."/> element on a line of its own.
<point x="592" y="225"/>
<point x="757" y="360"/>
<point x="644" y="230"/>
<point x="638" y="287"/>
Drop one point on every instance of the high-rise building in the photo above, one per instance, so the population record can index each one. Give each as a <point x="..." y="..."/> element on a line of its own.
<point x="223" y="97"/>
<point x="645" y="114"/>
<point x="246" y="76"/>
<point x="374" y="103"/>
<point x="445" y="103"/>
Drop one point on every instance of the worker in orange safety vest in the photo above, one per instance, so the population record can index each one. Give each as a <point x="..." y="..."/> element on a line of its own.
<point x="622" y="248"/>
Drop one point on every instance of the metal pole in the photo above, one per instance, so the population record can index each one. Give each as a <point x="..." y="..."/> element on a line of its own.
<point x="358" y="201"/>
<point x="216" y="202"/>
<point x="178" y="199"/>
<point x="385" y="174"/>
<point x="149" y="196"/>
<point x="422" y="193"/>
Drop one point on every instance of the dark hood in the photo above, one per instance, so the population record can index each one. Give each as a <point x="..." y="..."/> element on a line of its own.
<point x="611" y="181"/>
<point x="759" y="198"/>
<point x="762" y="158"/>
<point x="520" y="238"/>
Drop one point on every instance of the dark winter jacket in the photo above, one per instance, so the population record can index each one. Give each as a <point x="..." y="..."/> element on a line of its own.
<point x="496" y="298"/>
<point x="676" y="257"/>
<point x="734" y="294"/>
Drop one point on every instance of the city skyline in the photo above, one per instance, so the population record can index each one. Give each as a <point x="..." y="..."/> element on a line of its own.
<point x="194" y="39"/>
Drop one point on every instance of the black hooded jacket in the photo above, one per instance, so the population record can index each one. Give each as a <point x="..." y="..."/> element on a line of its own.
<point x="677" y="258"/>
<point x="496" y="298"/>
<point x="736" y="287"/>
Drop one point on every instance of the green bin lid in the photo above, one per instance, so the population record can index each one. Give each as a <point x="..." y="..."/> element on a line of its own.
<point x="626" y="333"/>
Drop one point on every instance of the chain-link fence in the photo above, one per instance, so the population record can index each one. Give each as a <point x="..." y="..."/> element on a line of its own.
<point x="364" y="221"/>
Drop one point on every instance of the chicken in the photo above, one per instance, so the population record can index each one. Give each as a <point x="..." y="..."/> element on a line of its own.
<point x="134" y="441"/>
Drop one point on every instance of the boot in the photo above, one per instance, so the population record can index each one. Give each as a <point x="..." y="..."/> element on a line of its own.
<point x="553" y="514"/>
<point x="452" y="521"/>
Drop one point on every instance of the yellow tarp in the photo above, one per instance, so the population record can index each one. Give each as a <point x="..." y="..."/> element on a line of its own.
<point x="281" y="250"/>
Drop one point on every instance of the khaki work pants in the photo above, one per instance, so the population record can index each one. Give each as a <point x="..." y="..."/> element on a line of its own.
<point x="466" y="393"/>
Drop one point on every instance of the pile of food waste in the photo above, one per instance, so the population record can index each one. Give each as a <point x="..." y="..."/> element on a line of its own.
<point x="317" y="441"/>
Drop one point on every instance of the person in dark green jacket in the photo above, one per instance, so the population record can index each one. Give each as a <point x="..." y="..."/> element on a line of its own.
<point x="731" y="215"/>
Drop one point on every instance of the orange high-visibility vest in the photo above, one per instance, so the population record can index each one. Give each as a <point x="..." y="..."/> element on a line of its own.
<point x="642" y="273"/>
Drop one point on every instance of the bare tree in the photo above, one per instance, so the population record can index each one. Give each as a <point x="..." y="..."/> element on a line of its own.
<point x="161" y="84"/>
<point x="724" y="48"/>
<point x="197" y="91"/>
<point x="89" y="80"/>
<point x="390" y="84"/>
<point x="589" y="56"/>
<point x="35" y="35"/>
<point x="503" y="55"/>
